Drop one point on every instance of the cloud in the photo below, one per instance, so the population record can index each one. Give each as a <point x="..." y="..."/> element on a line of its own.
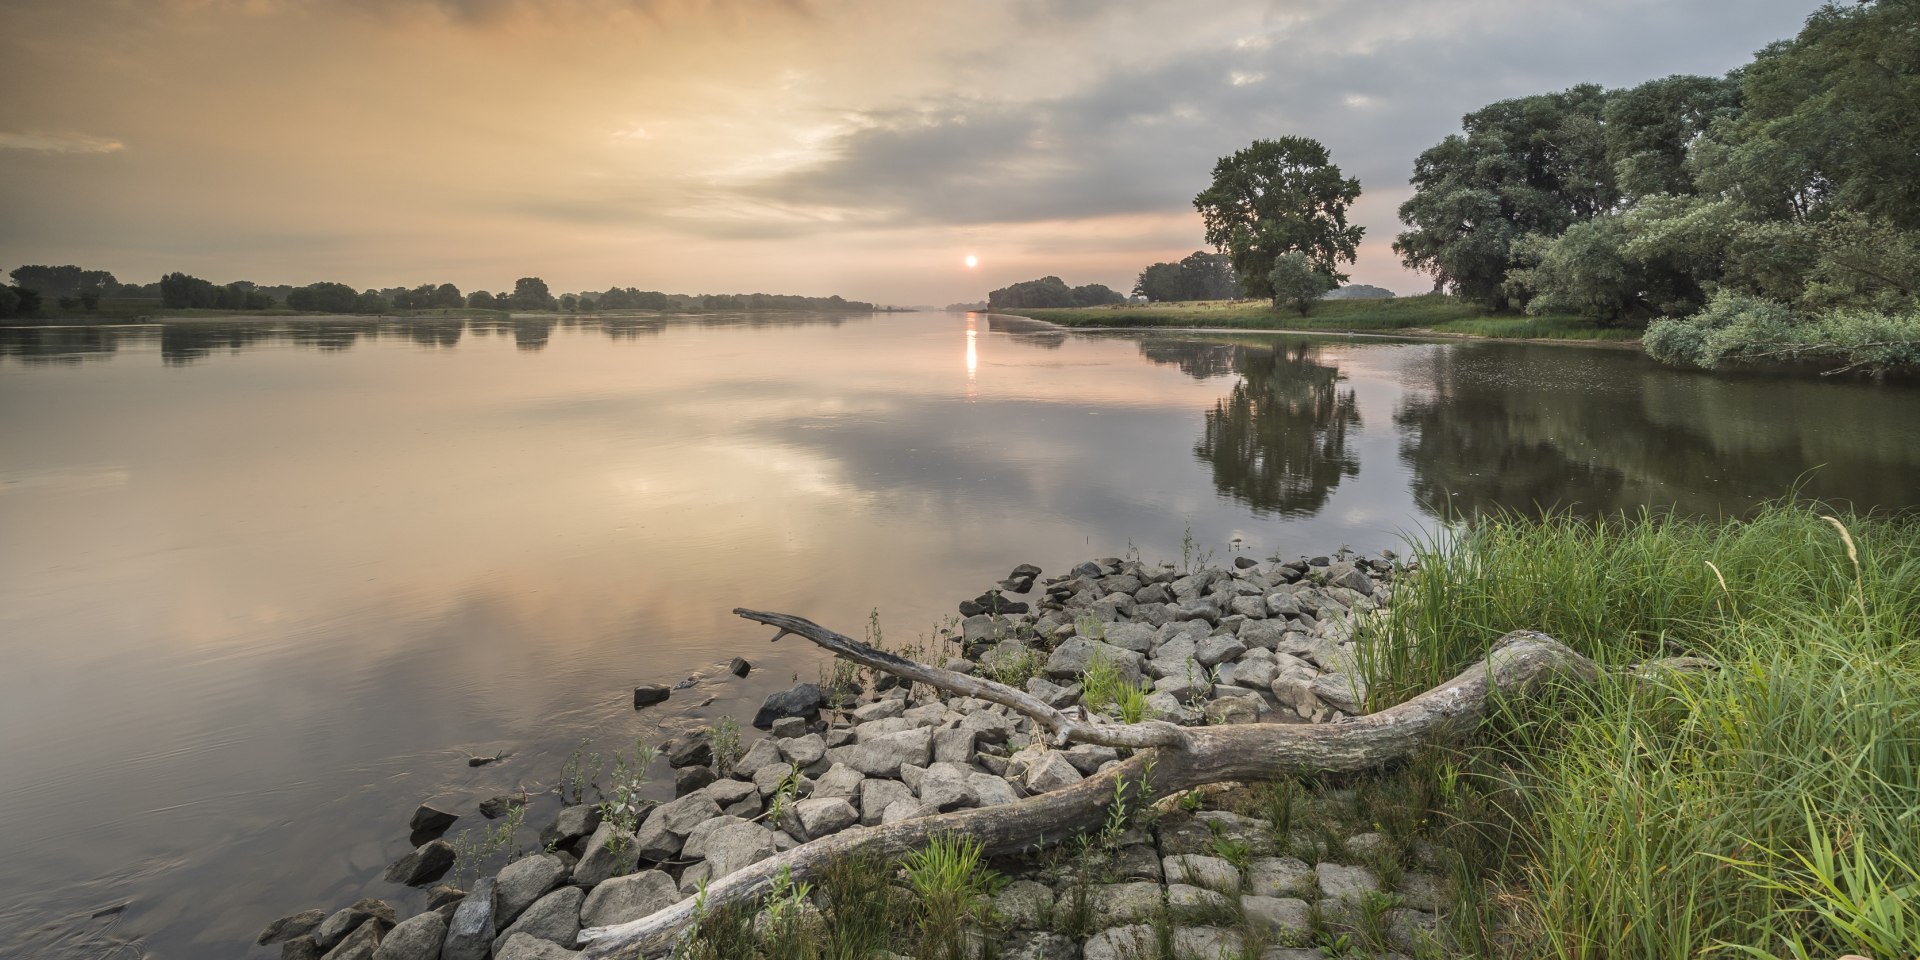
<point x="59" y="143"/>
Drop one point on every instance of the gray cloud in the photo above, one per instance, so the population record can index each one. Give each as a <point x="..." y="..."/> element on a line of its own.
<point x="59" y="142"/>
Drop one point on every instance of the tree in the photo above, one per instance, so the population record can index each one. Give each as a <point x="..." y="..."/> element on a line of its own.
<point x="530" y="293"/>
<point x="1529" y="165"/>
<point x="1650" y="128"/>
<point x="1296" y="284"/>
<point x="482" y="300"/>
<point x="324" y="297"/>
<point x="64" y="281"/>
<point x="447" y="295"/>
<point x="1044" y="292"/>
<point x="569" y="303"/>
<point x="1096" y="295"/>
<point x="1277" y="197"/>
<point x="180" y="291"/>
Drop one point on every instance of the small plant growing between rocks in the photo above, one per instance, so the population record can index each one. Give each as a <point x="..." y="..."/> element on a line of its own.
<point x="579" y="773"/>
<point x="623" y="806"/>
<point x="953" y="889"/>
<point x="473" y="847"/>
<point x="724" y="738"/>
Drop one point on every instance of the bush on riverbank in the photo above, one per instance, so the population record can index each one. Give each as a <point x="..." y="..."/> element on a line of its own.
<point x="1735" y="327"/>
<point x="1768" y="806"/>
<point x="1437" y="312"/>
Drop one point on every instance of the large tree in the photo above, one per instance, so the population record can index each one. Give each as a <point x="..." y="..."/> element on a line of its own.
<point x="1274" y="198"/>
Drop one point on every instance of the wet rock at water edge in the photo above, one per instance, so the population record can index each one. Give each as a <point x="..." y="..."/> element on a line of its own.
<point x="300" y="948"/>
<point x="470" y="932"/>
<point x="360" y="944"/>
<point x="482" y="761"/>
<point x="417" y="938"/>
<point x="349" y="918"/>
<point x="650" y="694"/>
<point x="423" y="865"/>
<point x="691" y="750"/>
<point x="801" y="701"/>
<point x="431" y="820"/>
<point x="288" y="927"/>
<point x="739" y="667"/>
<point x="493" y="808"/>
<point x="524" y="881"/>
<point x="688" y="779"/>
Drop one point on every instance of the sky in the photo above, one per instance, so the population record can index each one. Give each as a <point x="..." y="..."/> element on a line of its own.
<point x="858" y="147"/>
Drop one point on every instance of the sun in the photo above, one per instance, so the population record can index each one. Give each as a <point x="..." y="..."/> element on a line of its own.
<point x="972" y="261"/>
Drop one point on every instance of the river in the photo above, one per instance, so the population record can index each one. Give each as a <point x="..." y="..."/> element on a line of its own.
<point x="266" y="585"/>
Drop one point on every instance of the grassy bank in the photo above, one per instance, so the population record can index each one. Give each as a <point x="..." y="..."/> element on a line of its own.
<point x="1771" y="808"/>
<point x="1433" y="312"/>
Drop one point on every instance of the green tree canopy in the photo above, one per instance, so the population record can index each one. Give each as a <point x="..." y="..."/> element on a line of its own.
<point x="1276" y="197"/>
<point x="1200" y="276"/>
<point x="1296" y="284"/>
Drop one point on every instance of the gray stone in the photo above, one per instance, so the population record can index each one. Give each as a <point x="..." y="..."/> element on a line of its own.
<point x="804" y="751"/>
<point x="1053" y="772"/>
<point x="1039" y="945"/>
<point x="1088" y="758"/>
<point x="762" y="753"/>
<point x="416" y="938"/>
<point x="345" y="920"/>
<point x="423" y="865"/>
<point x="1206" y="610"/>
<point x="1421" y="891"/>
<point x="907" y="809"/>
<point x="647" y="695"/>
<point x="1347" y="575"/>
<point x="726" y="792"/>
<point x="821" y="817"/>
<point x="693" y="749"/>
<point x="839" y="781"/>
<point x="470" y="932"/>
<point x="428" y="818"/>
<point x="1366" y="845"/>
<point x="1342" y="882"/>
<point x="360" y="944"/>
<point x="767" y="779"/>
<point x="947" y="786"/>
<point x="1122" y="903"/>
<point x="953" y="745"/>
<point x="1212" y="873"/>
<point x="801" y="700"/>
<point x="1188" y="902"/>
<point x="1280" y="877"/>
<point x="695" y="847"/>
<point x="288" y="927"/>
<point x="738" y="845"/>
<point x="609" y="853"/>
<point x="788" y="727"/>
<point x="1253" y="608"/>
<point x="1137" y="637"/>
<point x="1072" y="658"/>
<point x="523" y="947"/>
<point x="1207" y="943"/>
<point x="1233" y="709"/>
<point x="1053" y="694"/>
<point x="1131" y="942"/>
<point x="554" y="918"/>
<point x="992" y="791"/>
<point x="877" y="795"/>
<point x="524" y="881"/>
<point x="666" y="829"/>
<point x="1218" y="649"/>
<point x="1414" y="931"/>
<point x="572" y="823"/>
<point x="1025" y="905"/>
<point x="1297" y="693"/>
<point x="1345" y="692"/>
<point x="1255" y="674"/>
<point x="629" y="898"/>
<point x="688" y="779"/>
<point x="1278" y="916"/>
<point x="988" y="726"/>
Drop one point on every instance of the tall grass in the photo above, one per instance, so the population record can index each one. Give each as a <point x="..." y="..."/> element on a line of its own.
<point x="1771" y="807"/>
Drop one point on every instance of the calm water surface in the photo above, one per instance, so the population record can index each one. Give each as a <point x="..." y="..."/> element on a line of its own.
<point x="264" y="587"/>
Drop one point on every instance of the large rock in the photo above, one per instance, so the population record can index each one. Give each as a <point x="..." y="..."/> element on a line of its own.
<point x="667" y="827"/>
<point x="1053" y="772"/>
<point x="522" y="947"/>
<point x="1278" y="917"/>
<point x="345" y="920"/>
<point x="647" y="695"/>
<point x="1135" y="941"/>
<point x="416" y="938"/>
<point x="693" y="749"/>
<point x="877" y="795"/>
<point x="948" y="786"/>
<point x="1215" y="650"/>
<point x="524" y="881"/>
<point x="1346" y="692"/>
<point x="360" y="944"/>
<point x="1137" y="637"/>
<point x="609" y="853"/>
<point x="554" y="918"/>
<point x="908" y="809"/>
<point x="1072" y="658"/>
<point x="1345" y="574"/>
<point x="801" y="700"/>
<point x="1342" y="882"/>
<point x="572" y="823"/>
<point x="1025" y="905"/>
<point x="762" y="753"/>
<point x="1115" y="904"/>
<point x="288" y="927"/>
<point x="470" y="932"/>
<point x="819" y="818"/>
<point x="1280" y="878"/>
<point x="1212" y="873"/>
<point x="1038" y="945"/>
<point x="430" y="819"/>
<point x="628" y="898"/>
<point x="1207" y="943"/>
<point x="839" y="781"/>
<point x="423" y="865"/>
<point x="803" y="752"/>
<point x="738" y="845"/>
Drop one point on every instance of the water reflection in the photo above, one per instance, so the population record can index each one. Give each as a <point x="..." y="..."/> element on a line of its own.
<point x="1278" y="440"/>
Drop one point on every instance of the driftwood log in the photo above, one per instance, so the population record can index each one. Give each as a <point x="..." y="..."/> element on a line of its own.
<point x="1171" y="759"/>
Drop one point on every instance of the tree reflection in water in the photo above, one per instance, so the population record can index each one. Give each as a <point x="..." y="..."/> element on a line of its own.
<point x="1278" y="440"/>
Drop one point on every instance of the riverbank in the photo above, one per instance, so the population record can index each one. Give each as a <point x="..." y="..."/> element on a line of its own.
<point x="1762" y="802"/>
<point x="1431" y="314"/>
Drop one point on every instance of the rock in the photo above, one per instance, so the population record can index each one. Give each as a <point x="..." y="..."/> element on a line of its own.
<point x="688" y="779"/>
<point x="493" y="808"/>
<point x="423" y="865"/>
<point x="345" y="920"/>
<point x="522" y="882"/>
<point x="604" y="857"/>
<point x="1281" y="877"/>
<point x="948" y="786"/>
<point x="522" y="947"/>
<point x="695" y="847"/>
<point x="1072" y="658"/>
<point x="879" y="710"/>
<point x="1342" y="882"/>
<point x="1344" y="692"/>
<point x="801" y="701"/>
<point x="953" y="745"/>
<point x="1036" y="945"/>
<point x="554" y="918"/>
<point x="907" y="746"/>
<point x="1137" y="637"/>
<point x="1196" y="609"/>
<point x="1088" y="758"/>
<point x="300" y="948"/>
<point x="360" y="944"/>
<point x="992" y="790"/>
<point x="762" y="753"/>
<point x="1131" y="942"/>
<point x="1121" y="903"/>
<point x="664" y="830"/>
<point x="1052" y="772"/>
<point x="738" y="845"/>
<point x="416" y="938"/>
<point x="803" y="752"/>
<point x="1255" y="674"/>
<point x="818" y="818"/>
<point x="1206" y="943"/>
<point x="571" y="823"/>
<point x="839" y="781"/>
<point x="628" y="898"/>
<point x="1087" y="569"/>
<point x="1026" y="905"/>
<point x="1233" y="710"/>
<point x="786" y="728"/>
<point x="877" y="795"/>
<point x="1053" y="694"/>
<point x="1218" y="649"/>
<point x="739" y="667"/>
<point x="1421" y="891"/>
<point x="1212" y="873"/>
<point x="693" y="749"/>
<point x="1347" y="575"/>
<point x="428" y="818"/>
<point x="1414" y="931"/>
<point x="768" y="779"/>
<point x="1189" y="903"/>
<point x="908" y="809"/>
<point x="650" y="694"/>
<point x="288" y="927"/>
<point x="470" y="932"/>
<point x="1283" y="917"/>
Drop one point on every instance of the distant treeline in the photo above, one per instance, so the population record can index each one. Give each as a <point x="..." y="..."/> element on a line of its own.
<point x="1052" y="292"/>
<point x="76" y="289"/>
<point x="1198" y="276"/>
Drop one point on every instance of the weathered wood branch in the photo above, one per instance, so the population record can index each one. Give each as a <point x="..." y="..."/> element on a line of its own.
<point x="1522" y="664"/>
